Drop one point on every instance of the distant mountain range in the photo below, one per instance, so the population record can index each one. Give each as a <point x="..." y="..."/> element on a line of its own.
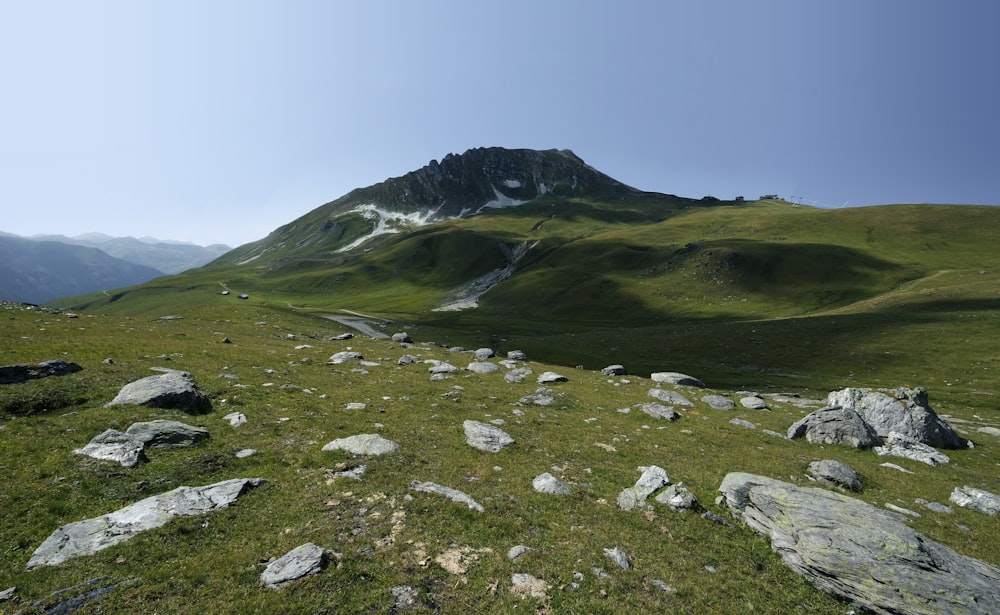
<point x="45" y="267"/>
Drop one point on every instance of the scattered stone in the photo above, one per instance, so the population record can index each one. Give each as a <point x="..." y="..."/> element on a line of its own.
<point x="835" y="473"/>
<point x="406" y="359"/>
<point x="541" y="397"/>
<point x="742" y="423"/>
<point x="442" y="367"/>
<point x="670" y="397"/>
<point x="363" y="444"/>
<point x="714" y="518"/>
<point x="172" y="389"/>
<point x="342" y="337"/>
<point x="92" y="535"/>
<point x="839" y="544"/>
<point x="546" y="483"/>
<point x="619" y="557"/>
<point x="355" y="405"/>
<point x="517" y="355"/>
<point x="936" y="507"/>
<point x="402" y="338"/>
<point x="718" y="402"/>
<point x="659" y="411"/>
<point x="614" y="370"/>
<point x="899" y="445"/>
<point x="167" y="434"/>
<point x="895" y="467"/>
<point x="517" y="375"/>
<point x="662" y="586"/>
<point x="679" y="498"/>
<point x="976" y="499"/>
<point x="14" y="374"/>
<point x="901" y="410"/>
<point x="302" y="561"/>
<point x="676" y="378"/>
<point x="517" y="551"/>
<point x="170" y="317"/>
<point x="7" y="593"/>
<point x="990" y="431"/>
<point x="752" y="402"/>
<point x="482" y="354"/>
<point x="482" y="367"/>
<point x="345" y="356"/>
<point x="528" y="586"/>
<point x="71" y="599"/>
<point x="114" y="445"/>
<point x="486" y="437"/>
<point x="548" y="377"/>
<point x="246" y="452"/>
<point x="835" y="426"/>
<point x="901" y="510"/>
<point x="652" y="479"/>
<point x="235" y="418"/>
<point x="452" y="494"/>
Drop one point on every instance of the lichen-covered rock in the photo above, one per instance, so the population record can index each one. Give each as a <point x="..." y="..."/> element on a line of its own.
<point x="835" y="473"/>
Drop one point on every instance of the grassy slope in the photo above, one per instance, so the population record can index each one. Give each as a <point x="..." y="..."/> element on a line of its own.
<point x="388" y="539"/>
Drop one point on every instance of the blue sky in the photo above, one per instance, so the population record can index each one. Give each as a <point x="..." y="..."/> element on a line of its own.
<point x="218" y="121"/>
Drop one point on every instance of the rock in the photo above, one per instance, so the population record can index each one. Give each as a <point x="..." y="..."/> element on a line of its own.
<point x="235" y="418"/>
<point x="679" y="498"/>
<point x="861" y="553"/>
<point x="14" y="374"/>
<point x="541" y="397"/>
<point x="342" y="337"/>
<point x="486" y="437"/>
<point x="172" y="389"/>
<point x="652" y="479"/>
<point x="659" y="411"/>
<point x="899" y="445"/>
<point x="670" y="397"/>
<point x="718" y="402"/>
<point x="742" y="423"/>
<point x="302" y="561"/>
<point x="835" y="426"/>
<point x="548" y="377"/>
<point x="528" y="586"/>
<point x="619" y="557"/>
<point x="406" y="359"/>
<point x="246" y="452"/>
<point x="517" y="355"/>
<point x="976" y="499"/>
<point x="902" y="511"/>
<point x="402" y="338"/>
<point x="835" y="473"/>
<point x="167" y="434"/>
<point x="92" y="535"/>
<point x="517" y="551"/>
<point x="406" y="597"/>
<point x="452" y="494"/>
<point x="752" y="402"/>
<point x="442" y="367"/>
<point x="676" y="378"/>
<point x="482" y="354"/>
<point x="363" y="444"/>
<point x="902" y="410"/>
<point x="517" y="375"/>
<point x="7" y="593"/>
<point x="345" y="356"/>
<point x="71" y="599"/>
<point x="482" y="367"/>
<point x="546" y="483"/>
<point x="614" y="370"/>
<point x="114" y="445"/>
<point x="355" y="405"/>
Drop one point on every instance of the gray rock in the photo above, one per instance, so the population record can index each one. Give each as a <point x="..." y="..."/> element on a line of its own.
<point x="342" y="337"/>
<point x="442" y="367"/>
<point x="482" y="367"/>
<point x="614" y="370"/>
<point x="835" y="473"/>
<point x="71" y="599"/>
<point x="452" y="494"/>
<point x="934" y="506"/>
<point x="515" y="552"/>
<point x="976" y="499"/>
<point x="402" y="338"/>
<point x="670" y="397"/>
<point x="718" y="402"/>
<point x="92" y="535"/>
<point x="752" y="402"/>
<point x="363" y="444"/>
<point x="173" y="389"/>
<point x="898" y="445"/>
<point x="482" y="354"/>
<point x="7" y="593"/>
<point x="835" y="426"/>
<point x="517" y="375"/>
<point x="742" y="423"/>
<point x="517" y="355"/>
<point x="651" y="479"/>
<point x="659" y="411"/>
<point x="546" y="483"/>
<point x="548" y="377"/>
<point x="528" y="586"/>
<point x="302" y="561"/>
<point x="235" y="418"/>
<point x="840" y="545"/>
<point x="114" y="445"/>
<point x="406" y="597"/>
<point x="541" y="397"/>
<point x="676" y="378"/>
<point x="13" y="374"/>
<point x="246" y="452"/>
<point x="345" y="356"/>
<point x="486" y="437"/>
<point x="167" y="434"/>
<point x="904" y="411"/>
<point x="619" y="557"/>
<point x="679" y="498"/>
<point x="406" y="359"/>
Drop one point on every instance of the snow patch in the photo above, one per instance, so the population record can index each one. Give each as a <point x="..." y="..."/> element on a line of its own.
<point x="386" y="222"/>
<point x="501" y="201"/>
<point x="511" y="183"/>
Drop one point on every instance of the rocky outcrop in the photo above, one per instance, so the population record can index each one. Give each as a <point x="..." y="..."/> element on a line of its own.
<point x="14" y="374"/>
<point x="903" y="411"/>
<point x="173" y="389"/>
<point x="976" y="499"/>
<point x="835" y="426"/>
<point x="92" y="535"/>
<point x="861" y="553"/>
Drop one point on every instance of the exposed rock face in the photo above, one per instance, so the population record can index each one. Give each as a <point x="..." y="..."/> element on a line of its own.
<point x="167" y="434"/>
<point x="13" y="374"/>
<point x="835" y="473"/>
<point x="302" y="561"/>
<point x="676" y="378"/>
<point x="173" y="389"/>
<point x="486" y="437"/>
<point x="904" y="411"/>
<point x="92" y="535"/>
<point x="976" y="499"/>
<point x="861" y="553"/>
<point x="363" y="444"/>
<point x="835" y="426"/>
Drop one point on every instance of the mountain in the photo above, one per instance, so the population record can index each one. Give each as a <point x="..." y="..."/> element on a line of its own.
<point x="164" y="255"/>
<point x="39" y="271"/>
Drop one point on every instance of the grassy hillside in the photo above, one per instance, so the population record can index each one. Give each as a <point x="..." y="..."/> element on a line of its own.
<point x="295" y="402"/>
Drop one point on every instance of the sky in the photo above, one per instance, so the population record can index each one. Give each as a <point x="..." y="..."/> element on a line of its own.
<point x="218" y="121"/>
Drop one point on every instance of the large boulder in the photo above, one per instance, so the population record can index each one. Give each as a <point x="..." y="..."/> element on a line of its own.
<point x="861" y="553"/>
<point x="486" y="437"/>
<point x="167" y="434"/>
<point x="833" y="425"/>
<point x="902" y="410"/>
<point x="173" y="389"/>
<point x="92" y="535"/>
